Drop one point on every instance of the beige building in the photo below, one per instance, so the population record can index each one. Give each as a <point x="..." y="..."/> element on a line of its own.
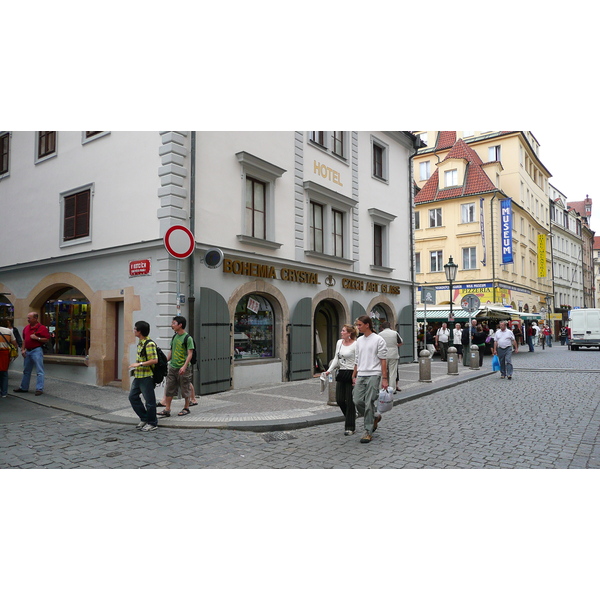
<point x="483" y="201"/>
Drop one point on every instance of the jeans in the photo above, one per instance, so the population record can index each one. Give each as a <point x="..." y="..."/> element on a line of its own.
<point x="505" y="358"/>
<point x="365" y="394"/>
<point x="444" y="350"/>
<point x="531" y="344"/>
<point x="145" y="387"/>
<point x="549" y="341"/>
<point x="3" y="383"/>
<point x="343" y="397"/>
<point x="33" y="358"/>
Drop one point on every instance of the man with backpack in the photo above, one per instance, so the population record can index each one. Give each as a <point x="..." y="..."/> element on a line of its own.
<point x="143" y="380"/>
<point x="180" y="367"/>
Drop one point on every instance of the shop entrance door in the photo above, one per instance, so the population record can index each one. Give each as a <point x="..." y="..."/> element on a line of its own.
<point x="327" y="333"/>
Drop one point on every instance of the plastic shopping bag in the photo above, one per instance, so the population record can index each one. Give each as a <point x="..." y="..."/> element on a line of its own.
<point x="495" y="363"/>
<point x="385" y="401"/>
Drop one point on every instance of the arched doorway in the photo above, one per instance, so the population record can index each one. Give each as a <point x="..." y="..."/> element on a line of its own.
<point x="327" y="333"/>
<point x="379" y="314"/>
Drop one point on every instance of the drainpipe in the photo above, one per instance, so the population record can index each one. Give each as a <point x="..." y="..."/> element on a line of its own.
<point x="191" y="296"/>
<point x="493" y="248"/>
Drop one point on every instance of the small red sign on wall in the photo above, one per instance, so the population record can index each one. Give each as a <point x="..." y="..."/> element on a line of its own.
<point x="140" y="267"/>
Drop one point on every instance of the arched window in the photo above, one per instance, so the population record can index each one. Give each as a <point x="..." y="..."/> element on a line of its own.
<point x="66" y="314"/>
<point x="253" y="331"/>
<point x="378" y="315"/>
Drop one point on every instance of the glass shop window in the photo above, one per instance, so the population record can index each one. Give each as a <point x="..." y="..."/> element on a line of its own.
<point x="253" y="328"/>
<point x="378" y="315"/>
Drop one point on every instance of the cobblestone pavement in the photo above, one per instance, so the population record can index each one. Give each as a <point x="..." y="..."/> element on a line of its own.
<point x="548" y="416"/>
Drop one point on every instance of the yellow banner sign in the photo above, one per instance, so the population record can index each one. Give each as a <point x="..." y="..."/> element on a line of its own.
<point x="542" y="267"/>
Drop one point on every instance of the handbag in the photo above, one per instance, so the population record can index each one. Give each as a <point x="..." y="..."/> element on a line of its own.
<point x="13" y="351"/>
<point x="385" y="402"/>
<point x="495" y="363"/>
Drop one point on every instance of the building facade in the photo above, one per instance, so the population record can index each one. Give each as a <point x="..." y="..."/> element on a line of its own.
<point x="294" y="234"/>
<point x="483" y="200"/>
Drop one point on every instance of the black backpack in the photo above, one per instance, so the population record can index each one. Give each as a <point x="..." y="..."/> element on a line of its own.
<point x="159" y="370"/>
<point x="185" y="339"/>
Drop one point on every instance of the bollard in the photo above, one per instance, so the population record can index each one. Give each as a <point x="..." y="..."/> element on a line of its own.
<point x="452" y="361"/>
<point x="425" y="366"/>
<point x="474" y="357"/>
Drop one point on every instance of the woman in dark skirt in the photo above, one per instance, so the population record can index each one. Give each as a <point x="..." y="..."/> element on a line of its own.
<point x="344" y="359"/>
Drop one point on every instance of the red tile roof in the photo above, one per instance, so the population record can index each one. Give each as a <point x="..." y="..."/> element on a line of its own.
<point x="597" y="242"/>
<point x="445" y="139"/>
<point x="476" y="181"/>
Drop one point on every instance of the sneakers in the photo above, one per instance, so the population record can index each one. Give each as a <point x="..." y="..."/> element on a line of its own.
<point x="365" y="439"/>
<point x="376" y="422"/>
<point x="148" y="427"/>
<point x="348" y="432"/>
<point x="510" y="377"/>
<point x="141" y="424"/>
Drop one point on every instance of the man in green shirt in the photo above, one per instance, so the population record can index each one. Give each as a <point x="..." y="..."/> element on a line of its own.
<point x="143" y="383"/>
<point x="180" y="369"/>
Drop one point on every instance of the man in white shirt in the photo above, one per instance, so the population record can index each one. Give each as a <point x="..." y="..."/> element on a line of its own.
<point x="504" y="341"/>
<point x="457" y="340"/>
<point x="369" y="375"/>
<point x="442" y="338"/>
<point x="536" y="334"/>
<point x="393" y="341"/>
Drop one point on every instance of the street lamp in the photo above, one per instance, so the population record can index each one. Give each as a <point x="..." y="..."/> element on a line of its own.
<point x="450" y="269"/>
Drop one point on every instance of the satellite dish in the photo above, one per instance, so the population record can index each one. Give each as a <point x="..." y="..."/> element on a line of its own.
<point x="213" y="258"/>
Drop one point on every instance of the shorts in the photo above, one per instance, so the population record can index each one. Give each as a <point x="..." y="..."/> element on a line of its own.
<point x="174" y="381"/>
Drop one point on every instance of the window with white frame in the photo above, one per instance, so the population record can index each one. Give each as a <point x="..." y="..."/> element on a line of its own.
<point x="318" y="137"/>
<point x="90" y="136"/>
<point x="379" y="159"/>
<point x="258" y="218"/>
<point x="4" y="153"/>
<point x="339" y="144"/>
<point x="317" y="238"/>
<point x="329" y="223"/>
<point x="435" y="217"/>
<point x="76" y="215"/>
<point x="451" y="178"/>
<point x="423" y="137"/>
<point x="425" y="170"/>
<point x="468" y="134"/>
<point x="467" y="212"/>
<point x="494" y="153"/>
<point x="381" y="236"/>
<point x="417" y="220"/>
<point x="469" y="258"/>
<point x="437" y="261"/>
<point x="417" y="262"/>
<point x="46" y="144"/>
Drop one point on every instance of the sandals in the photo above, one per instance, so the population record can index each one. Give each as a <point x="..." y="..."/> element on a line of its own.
<point x="193" y="403"/>
<point x="184" y="411"/>
<point x="164" y="413"/>
<point x="160" y="404"/>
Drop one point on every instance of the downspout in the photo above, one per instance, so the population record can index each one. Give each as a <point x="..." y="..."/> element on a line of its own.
<point x="552" y="261"/>
<point x="192" y="297"/>
<point x="493" y="248"/>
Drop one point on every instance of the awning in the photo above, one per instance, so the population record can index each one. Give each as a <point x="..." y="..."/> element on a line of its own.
<point x="494" y="311"/>
<point x="441" y="314"/>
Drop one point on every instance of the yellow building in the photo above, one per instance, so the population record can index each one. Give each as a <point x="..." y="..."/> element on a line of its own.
<point x="483" y="201"/>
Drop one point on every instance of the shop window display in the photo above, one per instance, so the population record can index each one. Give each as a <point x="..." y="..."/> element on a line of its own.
<point x="378" y="315"/>
<point x="66" y="314"/>
<point x="6" y="308"/>
<point x="253" y="328"/>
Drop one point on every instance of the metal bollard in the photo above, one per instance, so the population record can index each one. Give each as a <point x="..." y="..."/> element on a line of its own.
<point x="474" y="357"/>
<point x="425" y="366"/>
<point x="331" y="391"/>
<point x="452" y="361"/>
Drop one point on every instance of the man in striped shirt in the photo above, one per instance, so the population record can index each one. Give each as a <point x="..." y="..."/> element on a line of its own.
<point x="143" y="382"/>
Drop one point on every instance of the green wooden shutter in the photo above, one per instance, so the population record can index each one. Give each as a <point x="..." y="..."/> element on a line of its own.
<point x="299" y="341"/>
<point x="214" y="345"/>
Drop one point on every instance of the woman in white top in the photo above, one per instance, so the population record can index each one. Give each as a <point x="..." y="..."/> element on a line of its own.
<point x="344" y="359"/>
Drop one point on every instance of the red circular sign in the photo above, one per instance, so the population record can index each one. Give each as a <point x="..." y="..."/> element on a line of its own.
<point x="179" y="241"/>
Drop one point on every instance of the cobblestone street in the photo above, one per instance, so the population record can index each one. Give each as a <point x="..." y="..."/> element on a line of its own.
<point x="547" y="417"/>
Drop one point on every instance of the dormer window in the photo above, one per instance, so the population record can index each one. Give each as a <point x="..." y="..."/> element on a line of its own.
<point x="451" y="178"/>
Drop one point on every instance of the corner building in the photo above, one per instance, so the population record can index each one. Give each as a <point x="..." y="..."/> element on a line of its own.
<point x="296" y="233"/>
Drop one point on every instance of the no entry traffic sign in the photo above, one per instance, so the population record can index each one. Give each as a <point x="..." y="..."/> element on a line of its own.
<point x="179" y="241"/>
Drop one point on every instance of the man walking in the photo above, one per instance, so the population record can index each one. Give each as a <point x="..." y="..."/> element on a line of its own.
<point x="35" y="335"/>
<point x="393" y="342"/>
<point x="504" y="341"/>
<point x="441" y="341"/>
<point x="180" y="368"/>
<point x="143" y="382"/>
<point x="369" y="375"/>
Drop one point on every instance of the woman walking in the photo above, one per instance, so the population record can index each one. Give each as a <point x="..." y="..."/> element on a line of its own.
<point x="344" y="359"/>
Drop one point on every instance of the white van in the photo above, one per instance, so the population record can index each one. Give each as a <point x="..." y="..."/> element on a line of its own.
<point x="585" y="328"/>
